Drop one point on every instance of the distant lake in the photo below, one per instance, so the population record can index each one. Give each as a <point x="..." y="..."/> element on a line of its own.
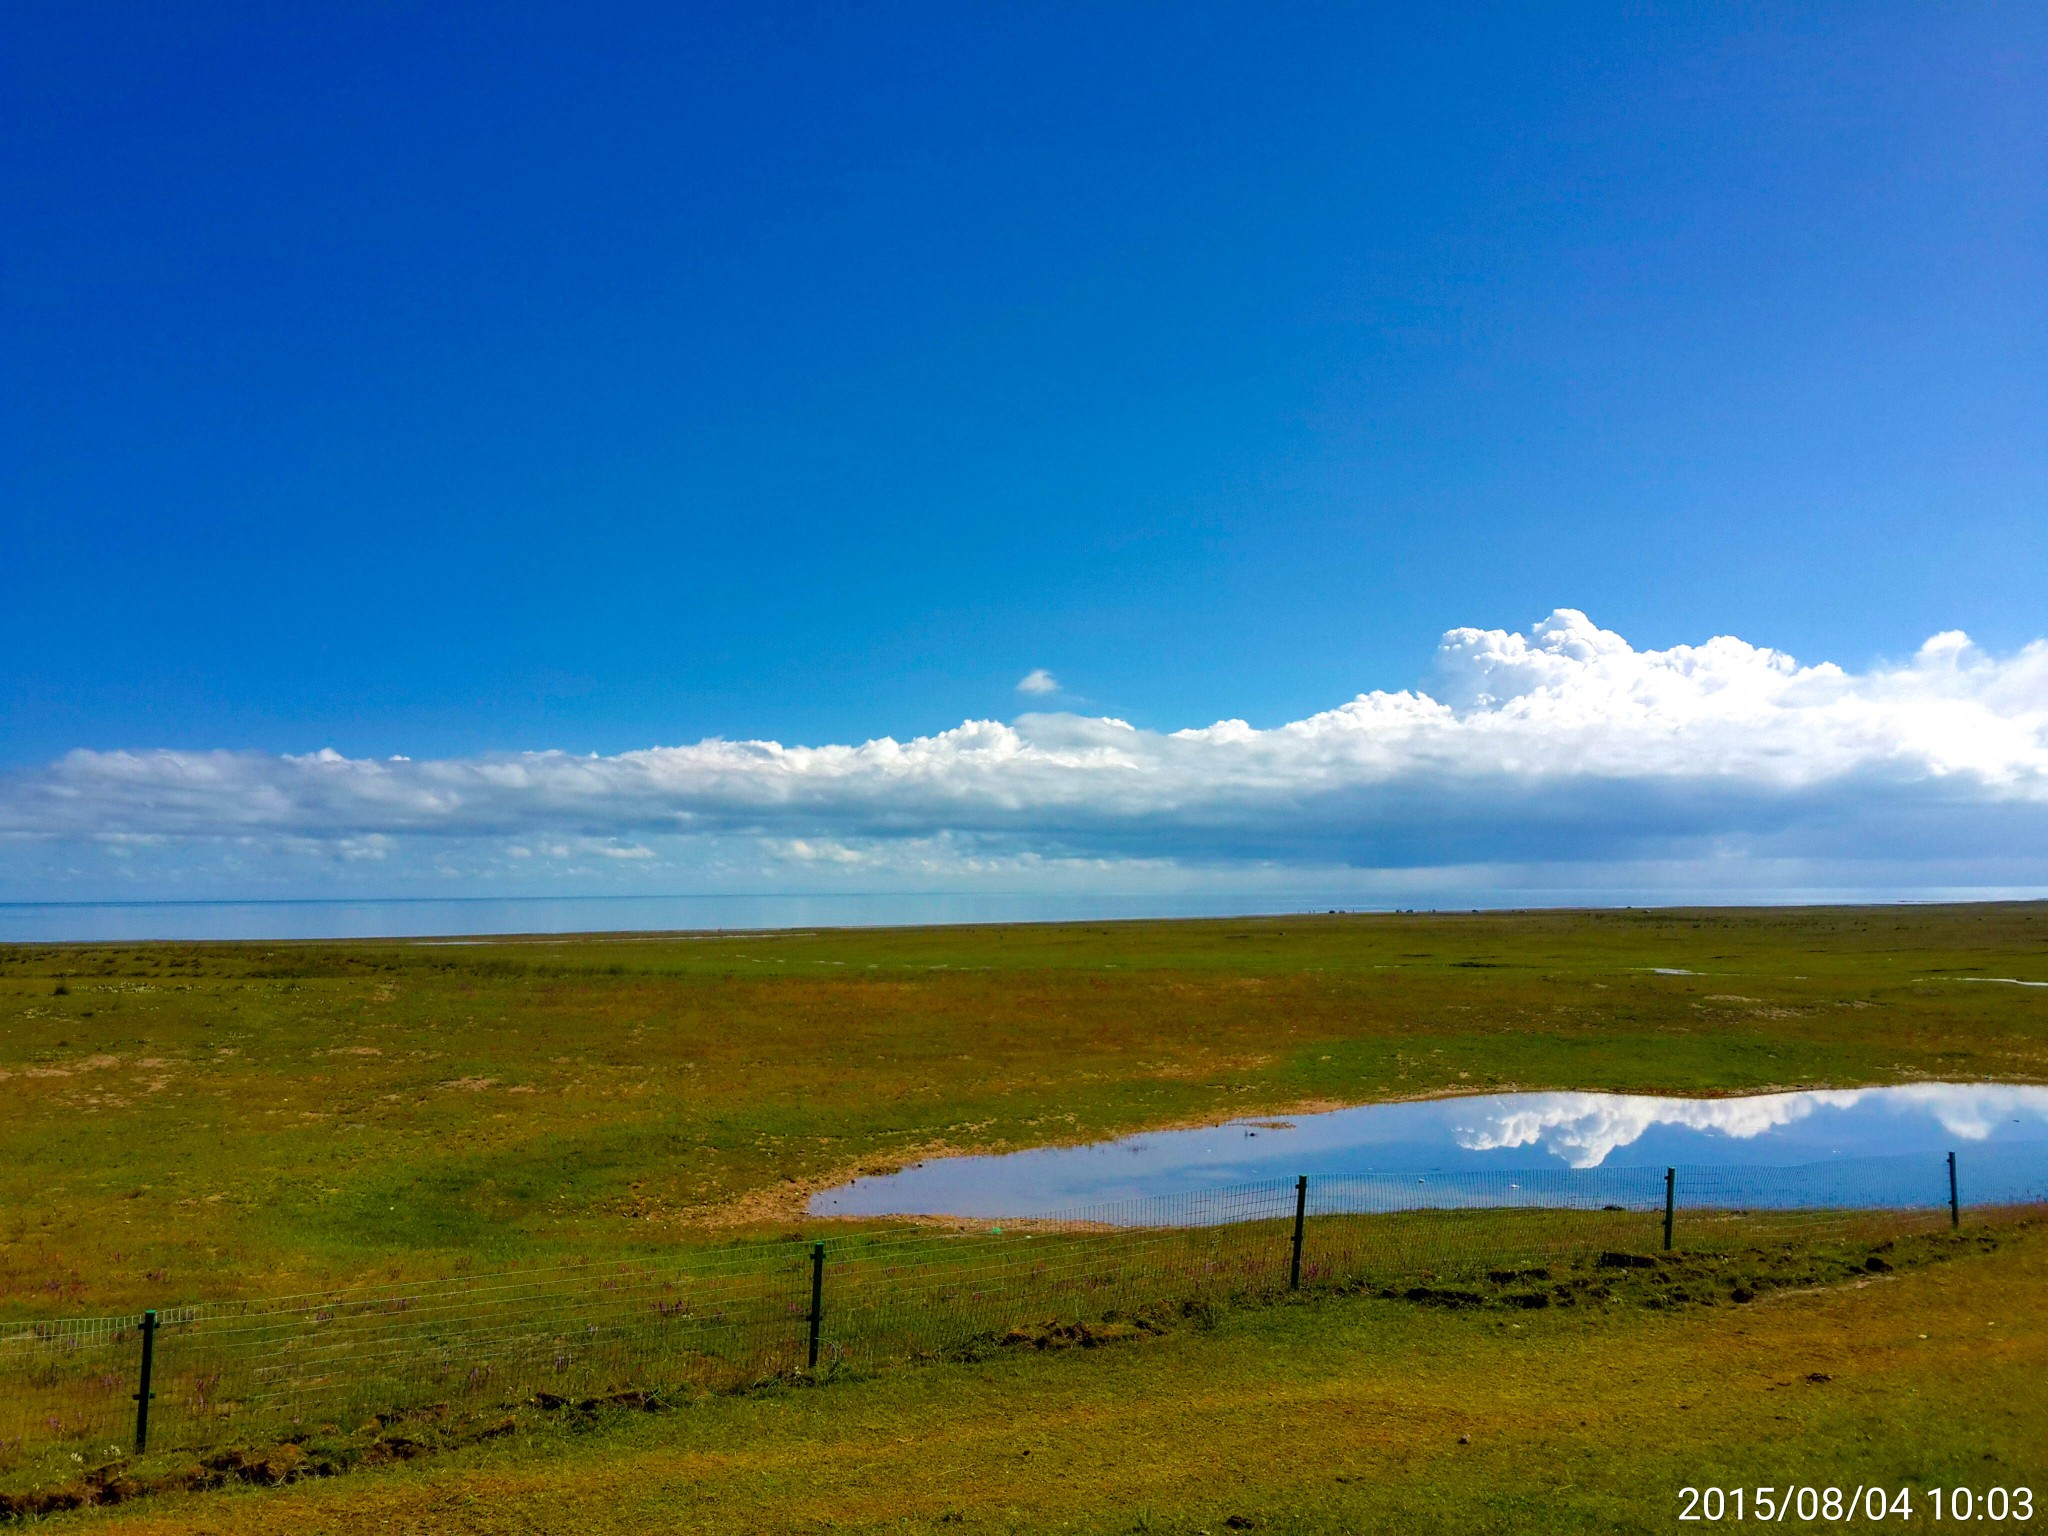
<point x="116" y="922"/>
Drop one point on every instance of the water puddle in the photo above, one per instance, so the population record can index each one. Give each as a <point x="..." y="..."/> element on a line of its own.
<point x="1997" y="1131"/>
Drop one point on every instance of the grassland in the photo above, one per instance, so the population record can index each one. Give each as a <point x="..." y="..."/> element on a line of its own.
<point x="181" y="1122"/>
<point x="187" y="1122"/>
<point x="1344" y="1415"/>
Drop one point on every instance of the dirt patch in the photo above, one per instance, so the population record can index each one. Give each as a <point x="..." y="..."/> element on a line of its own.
<point x="1057" y="1335"/>
<point x="379" y="1441"/>
<point x="269" y="1467"/>
<point x="643" y="1402"/>
<point x="1658" y="1281"/>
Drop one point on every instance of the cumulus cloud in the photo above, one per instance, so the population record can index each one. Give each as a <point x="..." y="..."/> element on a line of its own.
<point x="1038" y="680"/>
<point x="1583" y="1128"/>
<point x="1565" y="745"/>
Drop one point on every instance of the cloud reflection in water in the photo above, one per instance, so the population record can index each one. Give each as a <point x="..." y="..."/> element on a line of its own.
<point x="1583" y="1128"/>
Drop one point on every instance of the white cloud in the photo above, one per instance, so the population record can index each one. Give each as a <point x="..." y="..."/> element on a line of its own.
<point x="1583" y="1128"/>
<point x="1562" y="747"/>
<point x="1038" y="680"/>
<point x="821" y="851"/>
<point x="1971" y="1113"/>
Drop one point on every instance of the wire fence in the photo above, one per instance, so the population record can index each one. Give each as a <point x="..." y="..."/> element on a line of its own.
<point x="721" y="1319"/>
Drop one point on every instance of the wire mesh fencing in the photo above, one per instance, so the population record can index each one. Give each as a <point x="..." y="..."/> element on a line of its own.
<point x="720" y="1319"/>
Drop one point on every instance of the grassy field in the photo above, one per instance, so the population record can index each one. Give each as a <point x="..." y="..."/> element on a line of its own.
<point x="188" y="1122"/>
<point x="1342" y="1415"/>
<point x="182" y="1122"/>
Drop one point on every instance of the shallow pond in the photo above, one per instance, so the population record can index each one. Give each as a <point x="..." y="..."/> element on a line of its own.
<point x="2000" y="1134"/>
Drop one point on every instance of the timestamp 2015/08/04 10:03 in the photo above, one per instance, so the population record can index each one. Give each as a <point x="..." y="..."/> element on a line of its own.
<point x="1875" y="1505"/>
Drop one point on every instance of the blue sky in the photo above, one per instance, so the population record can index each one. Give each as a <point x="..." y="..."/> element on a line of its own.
<point x="454" y="382"/>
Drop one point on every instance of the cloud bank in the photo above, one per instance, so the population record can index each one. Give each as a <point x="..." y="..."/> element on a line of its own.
<point x="1562" y="748"/>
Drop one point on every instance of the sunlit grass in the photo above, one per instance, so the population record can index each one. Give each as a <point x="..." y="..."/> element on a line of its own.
<point x="189" y="1123"/>
<point x="1345" y="1413"/>
<point x="211" y="1124"/>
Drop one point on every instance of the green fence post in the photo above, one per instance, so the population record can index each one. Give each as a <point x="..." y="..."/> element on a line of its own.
<point x="1955" y="1209"/>
<point x="817" y="1298"/>
<point x="142" y="1392"/>
<point x="1670" y="1203"/>
<point x="1300" y="1220"/>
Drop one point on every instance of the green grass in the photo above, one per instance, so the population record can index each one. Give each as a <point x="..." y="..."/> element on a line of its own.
<point x="183" y="1123"/>
<point x="241" y="1380"/>
<point x="1342" y="1415"/>
<point x="188" y="1122"/>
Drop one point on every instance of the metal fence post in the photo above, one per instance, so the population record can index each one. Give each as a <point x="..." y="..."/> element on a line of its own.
<point x="817" y="1298"/>
<point x="142" y="1392"/>
<point x="1300" y="1220"/>
<point x="1955" y="1209"/>
<point x="1670" y="1203"/>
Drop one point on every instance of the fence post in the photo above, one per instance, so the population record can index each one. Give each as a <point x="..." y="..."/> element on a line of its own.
<point x="817" y="1298"/>
<point x="1670" y="1203"/>
<point x="1300" y="1220"/>
<point x="1955" y="1209"/>
<point x="142" y="1392"/>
